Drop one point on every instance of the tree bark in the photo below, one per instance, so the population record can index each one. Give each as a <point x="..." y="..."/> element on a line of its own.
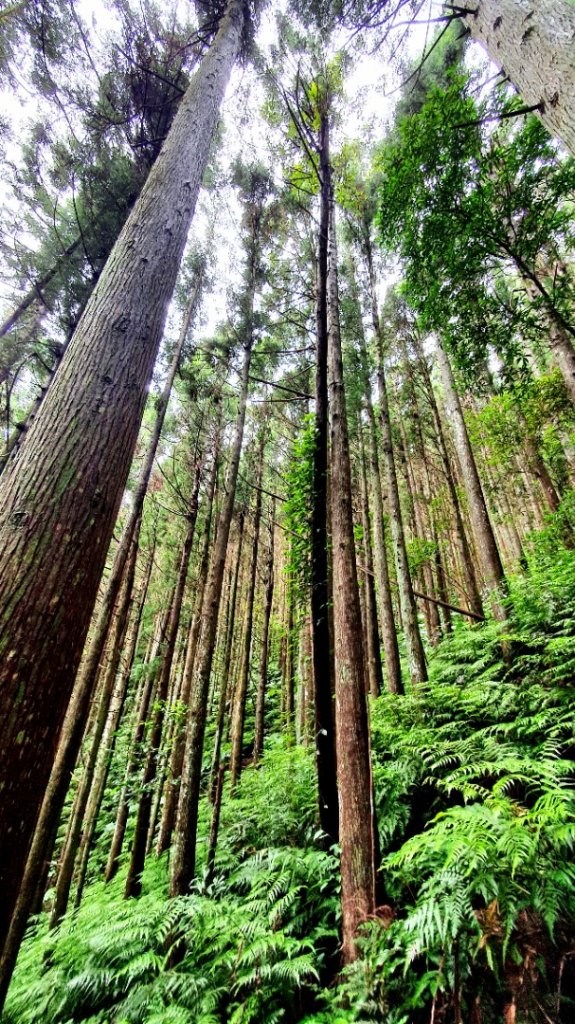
<point x="184" y="861"/>
<point x="177" y="756"/>
<point x="322" y="653"/>
<point x="136" y="866"/>
<point x="356" y="837"/>
<point x="487" y="549"/>
<point x="60" y="501"/>
<point x="226" y="662"/>
<point x="264" y="657"/>
<point x="239" y="705"/>
<point x="533" y="41"/>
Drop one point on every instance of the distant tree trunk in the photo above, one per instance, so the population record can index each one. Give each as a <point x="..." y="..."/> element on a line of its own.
<point x="533" y="41"/>
<point x="215" y="824"/>
<point x="415" y="651"/>
<point x="226" y="662"/>
<point x="471" y="585"/>
<point x="388" y="629"/>
<point x="264" y="656"/>
<point x="34" y="294"/>
<point x="356" y="838"/>
<point x="487" y="550"/>
<point x="134" y="878"/>
<point x="134" y="756"/>
<point x="109" y="738"/>
<point x="322" y="654"/>
<point x="61" y="499"/>
<point x="184" y="860"/>
<point x="177" y="756"/>
<point x="375" y="674"/>
<point x="239" y="705"/>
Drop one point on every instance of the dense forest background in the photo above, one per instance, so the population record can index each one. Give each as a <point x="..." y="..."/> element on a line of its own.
<point x="287" y="512"/>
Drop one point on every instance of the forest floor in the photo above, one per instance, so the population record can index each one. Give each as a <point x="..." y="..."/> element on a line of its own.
<point x="473" y="778"/>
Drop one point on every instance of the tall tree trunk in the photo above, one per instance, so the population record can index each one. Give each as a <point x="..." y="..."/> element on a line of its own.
<point x="68" y="857"/>
<point x="73" y="728"/>
<point x="141" y="710"/>
<point x="356" y="838"/>
<point x="239" y="705"/>
<point x="533" y="41"/>
<point x="375" y="674"/>
<point x="487" y="550"/>
<point x="265" y="645"/>
<point x="414" y="645"/>
<point x="177" y="756"/>
<point x="471" y="585"/>
<point x="109" y="738"/>
<point x="61" y="502"/>
<point x="322" y="654"/>
<point x="226" y="662"/>
<point x="136" y="866"/>
<point x="184" y="861"/>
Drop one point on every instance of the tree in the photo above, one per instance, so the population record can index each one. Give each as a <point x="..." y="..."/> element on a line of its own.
<point x="59" y="505"/>
<point x="532" y="40"/>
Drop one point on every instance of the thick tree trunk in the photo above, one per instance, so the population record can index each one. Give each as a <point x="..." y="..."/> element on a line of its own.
<point x="322" y="653"/>
<point x="73" y="728"/>
<point x="60" y="502"/>
<point x="533" y="41"/>
<point x="483" y="532"/>
<point x="356" y="838"/>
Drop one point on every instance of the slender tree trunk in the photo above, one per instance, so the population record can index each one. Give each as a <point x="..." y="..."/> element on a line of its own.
<point x="375" y="674"/>
<point x="533" y="41"/>
<point x="34" y="294"/>
<point x="471" y="585"/>
<point x="265" y="646"/>
<point x="109" y="738"/>
<point x="487" y="550"/>
<point x="177" y="756"/>
<point x="134" y="878"/>
<point x="415" y="652"/>
<point x="68" y="857"/>
<point x="60" y="503"/>
<point x="226" y="662"/>
<point x="322" y="653"/>
<point x="184" y="861"/>
<point x="239" y="706"/>
<point x="356" y="838"/>
<point x="134" y="757"/>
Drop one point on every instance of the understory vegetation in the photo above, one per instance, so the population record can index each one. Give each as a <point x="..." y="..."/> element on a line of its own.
<point x="473" y="777"/>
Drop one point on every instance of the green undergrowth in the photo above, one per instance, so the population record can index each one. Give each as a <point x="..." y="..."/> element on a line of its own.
<point x="473" y="778"/>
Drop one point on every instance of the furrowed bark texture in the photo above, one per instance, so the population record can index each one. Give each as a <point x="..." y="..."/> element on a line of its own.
<point x="534" y="42"/>
<point x="353" y="753"/>
<point x="60" y="502"/>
